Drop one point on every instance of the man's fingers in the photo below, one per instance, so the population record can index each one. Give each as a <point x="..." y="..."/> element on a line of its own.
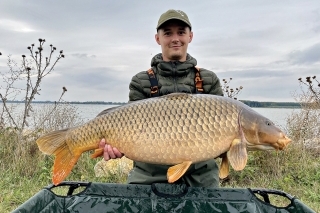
<point x="106" y="153"/>
<point x="102" y="143"/>
<point x="117" y="153"/>
<point x="110" y="151"/>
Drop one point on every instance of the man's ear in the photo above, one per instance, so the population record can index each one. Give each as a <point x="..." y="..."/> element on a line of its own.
<point x="190" y="37"/>
<point x="156" y="36"/>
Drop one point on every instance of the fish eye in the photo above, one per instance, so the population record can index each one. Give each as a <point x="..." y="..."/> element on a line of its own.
<point x="269" y="123"/>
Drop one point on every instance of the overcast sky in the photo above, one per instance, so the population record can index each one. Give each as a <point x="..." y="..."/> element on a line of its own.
<point x="265" y="46"/>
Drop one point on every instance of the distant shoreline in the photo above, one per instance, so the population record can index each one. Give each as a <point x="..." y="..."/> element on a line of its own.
<point x="255" y="104"/>
<point x="71" y="102"/>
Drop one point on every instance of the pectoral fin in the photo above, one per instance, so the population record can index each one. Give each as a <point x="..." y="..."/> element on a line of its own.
<point x="97" y="153"/>
<point x="177" y="171"/>
<point x="224" y="167"/>
<point x="237" y="155"/>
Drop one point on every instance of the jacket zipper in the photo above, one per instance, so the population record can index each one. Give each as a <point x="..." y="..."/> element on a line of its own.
<point x="174" y="66"/>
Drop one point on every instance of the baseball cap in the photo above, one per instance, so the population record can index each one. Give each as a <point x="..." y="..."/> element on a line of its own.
<point x="173" y="14"/>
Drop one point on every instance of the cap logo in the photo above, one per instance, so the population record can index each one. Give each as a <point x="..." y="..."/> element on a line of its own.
<point x="180" y="12"/>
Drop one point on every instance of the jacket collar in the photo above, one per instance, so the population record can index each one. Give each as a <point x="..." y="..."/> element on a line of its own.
<point x="173" y="68"/>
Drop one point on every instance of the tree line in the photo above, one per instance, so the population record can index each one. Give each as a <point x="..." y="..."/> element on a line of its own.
<point x="271" y="104"/>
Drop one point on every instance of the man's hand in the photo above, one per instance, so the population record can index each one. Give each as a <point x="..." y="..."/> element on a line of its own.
<point x="108" y="151"/>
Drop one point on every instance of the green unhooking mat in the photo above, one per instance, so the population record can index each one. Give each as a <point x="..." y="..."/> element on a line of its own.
<point x="106" y="197"/>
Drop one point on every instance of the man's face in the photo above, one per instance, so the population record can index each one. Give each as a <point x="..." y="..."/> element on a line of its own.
<point x="174" y="37"/>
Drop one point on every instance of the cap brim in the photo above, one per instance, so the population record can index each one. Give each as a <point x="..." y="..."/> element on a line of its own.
<point x="174" y="18"/>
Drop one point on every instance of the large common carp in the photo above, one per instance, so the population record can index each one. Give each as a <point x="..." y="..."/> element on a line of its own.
<point x="176" y="129"/>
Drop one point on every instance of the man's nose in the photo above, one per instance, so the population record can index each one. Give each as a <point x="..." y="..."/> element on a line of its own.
<point x="175" y="37"/>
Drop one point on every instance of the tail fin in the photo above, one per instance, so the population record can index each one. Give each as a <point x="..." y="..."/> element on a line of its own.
<point x="56" y="143"/>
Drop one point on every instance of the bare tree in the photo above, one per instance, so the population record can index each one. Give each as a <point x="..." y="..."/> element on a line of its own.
<point x="31" y="71"/>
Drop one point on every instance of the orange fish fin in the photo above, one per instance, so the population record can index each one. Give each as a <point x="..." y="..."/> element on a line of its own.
<point x="224" y="167"/>
<point x="97" y="153"/>
<point x="66" y="157"/>
<point x="237" y="154"/>
<point x="177" y="171"/>
<point x="52" y="141"/>
<point x="63" y="163"/>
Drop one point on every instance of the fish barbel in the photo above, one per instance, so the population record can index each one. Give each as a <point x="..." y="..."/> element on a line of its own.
<point x="177" y="129"/>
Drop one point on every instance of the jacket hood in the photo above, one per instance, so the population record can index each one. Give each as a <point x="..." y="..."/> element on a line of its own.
<point x="173" y="68"/>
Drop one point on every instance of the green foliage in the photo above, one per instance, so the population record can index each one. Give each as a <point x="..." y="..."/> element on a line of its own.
<point x="294" y="171"/>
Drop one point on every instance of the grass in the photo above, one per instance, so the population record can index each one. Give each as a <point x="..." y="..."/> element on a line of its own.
<point x="294" y="171"/>
<point x="22" y="177"/>
<point x="25" y="171"/>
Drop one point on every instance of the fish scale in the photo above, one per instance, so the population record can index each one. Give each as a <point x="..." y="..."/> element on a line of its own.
<point x="186" y="127"/>
<point x="172" y="130"/>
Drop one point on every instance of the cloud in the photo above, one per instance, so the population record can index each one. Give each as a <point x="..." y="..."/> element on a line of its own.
<point x="83" y="55"/>
<point x="309" y="55"/>
<point x="264" y="46"/>
<point x="17" y="26"/>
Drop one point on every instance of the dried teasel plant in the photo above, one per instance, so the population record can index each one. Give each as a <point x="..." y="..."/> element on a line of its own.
<point x="304" y="125"/>
<point x="30" y="73"/>
<point x="229" y="91"/>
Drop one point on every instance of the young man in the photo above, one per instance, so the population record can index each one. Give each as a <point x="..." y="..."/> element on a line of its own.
<point x="175" y="71"/>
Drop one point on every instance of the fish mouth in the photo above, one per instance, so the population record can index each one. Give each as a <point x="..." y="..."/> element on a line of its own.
<point x="264" y="147"/>
<point x="280" y="144"/>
